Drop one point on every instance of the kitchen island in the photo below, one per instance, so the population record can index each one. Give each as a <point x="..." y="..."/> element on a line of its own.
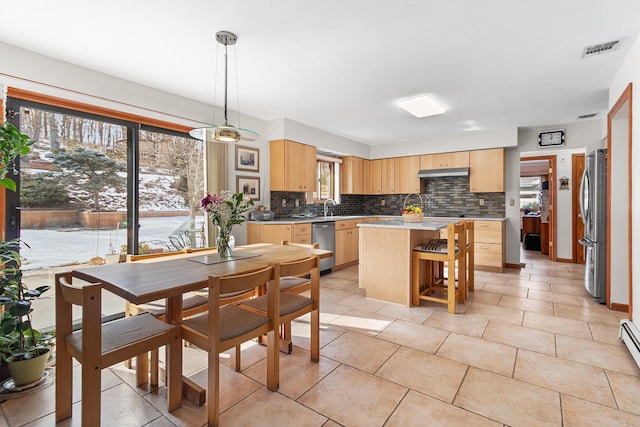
<point x="385" y="256"/>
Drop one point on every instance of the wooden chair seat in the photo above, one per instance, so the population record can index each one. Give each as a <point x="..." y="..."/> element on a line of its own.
<point x="234" y="322"/>
<point x="435" y="255"/>
<point x="289" y="303"/>
<point x="290" y="283"/>
<point x="97" y="346"/>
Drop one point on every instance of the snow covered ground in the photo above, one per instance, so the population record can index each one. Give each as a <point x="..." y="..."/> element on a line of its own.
<point x="54" y="248"/>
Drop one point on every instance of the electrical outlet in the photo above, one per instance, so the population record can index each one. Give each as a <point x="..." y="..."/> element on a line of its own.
<point x="512" y="202"/>
<point x="284" y="203"/>
<point x="297" y="203"/>
<point x="383" y="202"/>
<point x="481" y="202"/>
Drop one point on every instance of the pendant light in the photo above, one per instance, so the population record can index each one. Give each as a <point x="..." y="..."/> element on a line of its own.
<point x="225" y="132"/>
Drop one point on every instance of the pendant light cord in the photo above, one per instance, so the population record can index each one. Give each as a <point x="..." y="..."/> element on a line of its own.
<point x="226" y="70"/>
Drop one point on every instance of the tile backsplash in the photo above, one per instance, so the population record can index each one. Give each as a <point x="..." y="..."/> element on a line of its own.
<point x="443" y="196"/>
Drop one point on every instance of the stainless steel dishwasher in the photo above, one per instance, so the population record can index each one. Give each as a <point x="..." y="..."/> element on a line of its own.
<point x="324" y="234"/>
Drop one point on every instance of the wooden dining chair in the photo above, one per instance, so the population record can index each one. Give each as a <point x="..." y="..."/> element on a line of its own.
<point x="293" y="285"/>
<point x="448" y="251"/>
<point x="227" y="326"/>
<point x="100" y="345"/>
<point x="148" y="369"/>
<point x="294" y="305"/>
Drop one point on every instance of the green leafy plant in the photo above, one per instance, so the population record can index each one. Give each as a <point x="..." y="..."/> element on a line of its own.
<point x="19" y="340"/>
<point x="12" y="144"/>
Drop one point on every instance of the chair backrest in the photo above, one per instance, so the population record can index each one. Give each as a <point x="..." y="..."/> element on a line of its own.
<point x="468" y="225"/>
<point x="456" y="234"/>
<point x="89" y="297"/>
<point x="221" y="285"/>
<point x="310" y="265"/>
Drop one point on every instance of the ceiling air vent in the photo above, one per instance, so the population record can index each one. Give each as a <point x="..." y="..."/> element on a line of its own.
<point x="587" y="116"/>
<point x="597" y="49"/>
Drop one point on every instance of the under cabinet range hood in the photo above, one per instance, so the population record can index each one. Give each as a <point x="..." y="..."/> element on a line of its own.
<point x="437" y="173"/>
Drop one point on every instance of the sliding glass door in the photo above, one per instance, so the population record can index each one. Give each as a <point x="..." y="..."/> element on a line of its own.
<point x="94" y="188"/>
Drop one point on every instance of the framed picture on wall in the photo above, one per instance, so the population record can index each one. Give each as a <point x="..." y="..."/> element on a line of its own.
<point x="247" y="159"/>
<point x="249" y="186"/>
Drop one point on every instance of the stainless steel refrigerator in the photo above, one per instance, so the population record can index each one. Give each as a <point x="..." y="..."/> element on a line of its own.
<point x="593" y="208"/>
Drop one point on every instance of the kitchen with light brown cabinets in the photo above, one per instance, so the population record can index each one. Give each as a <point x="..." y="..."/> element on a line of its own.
<point x="292" y="167"/>
<point x="486" y="171"/>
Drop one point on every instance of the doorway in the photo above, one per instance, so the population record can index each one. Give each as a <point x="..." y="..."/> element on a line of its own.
<point x="536" y="211"/>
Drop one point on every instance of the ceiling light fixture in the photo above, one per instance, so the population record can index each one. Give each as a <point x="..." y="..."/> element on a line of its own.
<point x="225" y="132"/>
<point x="421" y="106"/>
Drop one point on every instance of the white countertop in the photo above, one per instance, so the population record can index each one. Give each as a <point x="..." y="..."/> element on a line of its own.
<point x="348" y="217"/>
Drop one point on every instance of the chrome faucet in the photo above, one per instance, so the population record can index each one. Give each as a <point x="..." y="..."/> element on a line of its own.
<point x="326" y="208"/>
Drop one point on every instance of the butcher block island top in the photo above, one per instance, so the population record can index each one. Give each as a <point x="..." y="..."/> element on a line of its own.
<point x="385" y="256"/>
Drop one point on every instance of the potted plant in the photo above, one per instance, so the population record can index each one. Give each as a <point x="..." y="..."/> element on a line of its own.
<point x="12" y="144"/>
<point x="25" y="349"/>
<point x="19" y="343"/>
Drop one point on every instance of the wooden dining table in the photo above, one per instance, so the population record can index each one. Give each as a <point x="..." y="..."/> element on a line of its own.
<point x="170" y="277"/>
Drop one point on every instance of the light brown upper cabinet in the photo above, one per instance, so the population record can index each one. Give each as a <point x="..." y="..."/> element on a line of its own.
<point x="486" y="171"/>
<point x="352" y="175"/>
<point x="293" y="166"/>
<point x="387" y="175"/>
<point x="406" y="174"/>
<point x="374" y="184"/>
<point x="458" y="159"/>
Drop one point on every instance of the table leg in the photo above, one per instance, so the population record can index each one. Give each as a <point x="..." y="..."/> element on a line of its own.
<point x="192" y="391"/>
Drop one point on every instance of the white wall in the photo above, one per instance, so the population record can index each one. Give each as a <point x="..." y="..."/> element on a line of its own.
<point x="461" y="141"/>
<point x="323" y="141"/>
<point x="630" y="73"/>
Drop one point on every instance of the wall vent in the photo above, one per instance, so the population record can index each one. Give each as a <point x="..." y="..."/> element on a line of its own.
<point x="597" y="49"/>
<point x="587" y="116"/>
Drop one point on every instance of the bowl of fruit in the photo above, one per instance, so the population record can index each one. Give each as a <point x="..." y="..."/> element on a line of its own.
<point x="412" y="213"/>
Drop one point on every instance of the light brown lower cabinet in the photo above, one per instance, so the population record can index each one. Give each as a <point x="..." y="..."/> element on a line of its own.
<point x="347" y="242"/>
<point x="489" y="241"/>
<point x="259" y="232"/>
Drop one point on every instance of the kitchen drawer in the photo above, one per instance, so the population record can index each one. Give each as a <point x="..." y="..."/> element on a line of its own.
<point x="488" y="254"/>
<point x="344" y="225"/>
<point x="487" y="231"/>
<point x="304" y="228"/>
<point x="302" y="238"/>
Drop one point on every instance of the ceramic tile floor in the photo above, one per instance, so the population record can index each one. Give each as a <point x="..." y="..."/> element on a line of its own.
<point x="528" y="348"/>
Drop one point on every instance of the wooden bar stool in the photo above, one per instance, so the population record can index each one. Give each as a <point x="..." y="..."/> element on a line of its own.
<point x="441" y="251"/>
<point x="469" y="230"/>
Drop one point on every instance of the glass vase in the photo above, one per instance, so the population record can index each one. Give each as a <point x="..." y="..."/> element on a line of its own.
<point x="225" y="242"/>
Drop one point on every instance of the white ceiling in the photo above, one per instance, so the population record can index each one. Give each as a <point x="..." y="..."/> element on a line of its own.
<point x="341" y="65"/>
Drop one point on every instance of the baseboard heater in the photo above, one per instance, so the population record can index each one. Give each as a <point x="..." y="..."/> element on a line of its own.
<point x="630" y="335"/>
